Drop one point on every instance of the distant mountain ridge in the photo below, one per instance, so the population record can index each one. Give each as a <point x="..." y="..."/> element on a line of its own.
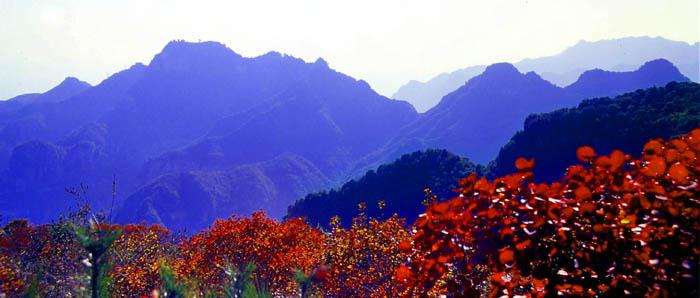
<point x="478" y="118"/>
<point x="623" y="54"/>
<point x="625" y="122"/>
<point x="215" y="133"/>
<point x="69" y="87"/>
<point x="181" y="99"/>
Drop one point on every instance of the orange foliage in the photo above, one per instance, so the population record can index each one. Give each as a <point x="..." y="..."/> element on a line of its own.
<point x="277" y="249"/>
<point x="11" y="282"/>
<point x="614" y="226"/>
<point x="362" y="259"/>
<point x="136" y="257"/>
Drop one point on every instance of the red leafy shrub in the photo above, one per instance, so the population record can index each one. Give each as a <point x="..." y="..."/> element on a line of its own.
<point x="278" y="249"/>
<point x="614" y="226"/>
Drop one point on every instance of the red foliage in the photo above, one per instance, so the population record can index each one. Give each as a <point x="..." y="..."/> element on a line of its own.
<point x="277" y="249"/>
<point x="614" y="226"/>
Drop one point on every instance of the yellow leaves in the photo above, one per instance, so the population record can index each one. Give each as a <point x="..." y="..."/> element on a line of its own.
<point x="364" y="255"/>
<point x="136" y="257"/>
<point x="628" y="220"/>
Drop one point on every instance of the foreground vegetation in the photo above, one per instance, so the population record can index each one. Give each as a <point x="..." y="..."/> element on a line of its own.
<point x="613" y="226"/>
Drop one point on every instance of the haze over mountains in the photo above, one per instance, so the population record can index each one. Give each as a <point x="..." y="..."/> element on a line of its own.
<point x="625" y="122"/>
<point x="196" y="106"/>
<point x="624" y="54"/>
<point x="202" y="133"/>
<point x="478" y="118"/>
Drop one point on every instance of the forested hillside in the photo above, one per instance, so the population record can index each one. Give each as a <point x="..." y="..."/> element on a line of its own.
<point x="624" y="122"/>
<point x="394" y="188"/>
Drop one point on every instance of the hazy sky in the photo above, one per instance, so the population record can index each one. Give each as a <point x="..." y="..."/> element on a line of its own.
<point x="384" y="42"/>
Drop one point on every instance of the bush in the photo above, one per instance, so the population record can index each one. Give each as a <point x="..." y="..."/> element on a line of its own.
<point x="614" y="226"/>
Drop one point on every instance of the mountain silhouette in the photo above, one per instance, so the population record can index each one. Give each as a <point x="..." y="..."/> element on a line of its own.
<point x="203" y="127"/>
<point x="190" y="98"/>
<point x="69" y="87"/>
<point x="624" y="122"/>
<point x="598" y="83"/>
<point x="563" y="69"/>
<point x="478" y="118"/>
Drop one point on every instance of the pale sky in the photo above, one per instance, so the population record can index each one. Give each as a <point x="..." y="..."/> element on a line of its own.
<point x="384" y="42"/>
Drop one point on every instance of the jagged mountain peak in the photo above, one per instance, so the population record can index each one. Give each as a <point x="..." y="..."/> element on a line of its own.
<point x="72" y="81"/>
<point x="498" y="74"/>
<point x="176" y="46"/>
<point x="321" y="62"/>
<point x="180" y="54"/>
<point x="69" y="87"/>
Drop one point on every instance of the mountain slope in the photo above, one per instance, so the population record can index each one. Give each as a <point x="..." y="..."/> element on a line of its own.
<point x="398" y="184"/>
<point x="69" y="87"/>
<point x="625" y="122"/>
<point x="479" y="117"/>
<point x="425" y="95"/>
<point x="622" y="54"/>
<point x="15" y="130"/>
<point x="327" y="118"/>
<point x="192" y="200"/>
<point x="598" y="83"/>
<point x="189" y="96"/>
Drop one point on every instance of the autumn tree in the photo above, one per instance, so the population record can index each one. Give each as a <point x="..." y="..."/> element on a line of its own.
<point x="362" y="258"/>
<point x="136" y="256"/>
<point x="277" y="249"/>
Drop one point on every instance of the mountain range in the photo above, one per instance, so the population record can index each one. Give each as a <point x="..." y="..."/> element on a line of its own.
<point x="563" y="69"/>
<point x="478" y="118"/>
<point x="195" y="107"/>
<point x="202" y="132"/>
<point x="625" y="122"/>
